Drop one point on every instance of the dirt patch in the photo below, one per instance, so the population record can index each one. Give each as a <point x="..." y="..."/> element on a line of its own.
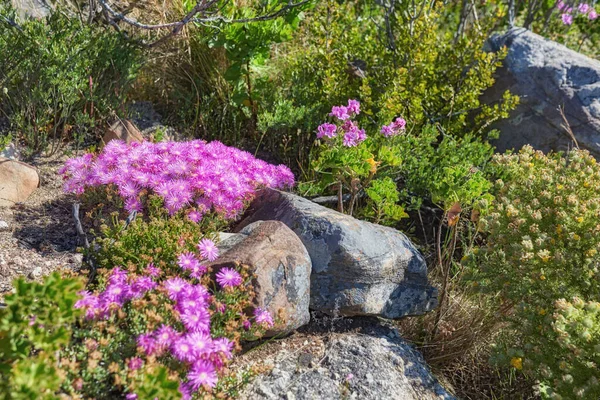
<point x="41" y="236"/>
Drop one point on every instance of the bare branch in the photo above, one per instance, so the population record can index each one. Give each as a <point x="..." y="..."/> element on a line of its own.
<point x="201" y="13"/>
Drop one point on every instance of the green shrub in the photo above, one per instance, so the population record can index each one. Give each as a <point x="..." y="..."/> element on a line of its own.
<point x="61" y="78"/>
<point x="542" y="246"/>
<point x="415" y="69"/>
<point x="34" y="327"/>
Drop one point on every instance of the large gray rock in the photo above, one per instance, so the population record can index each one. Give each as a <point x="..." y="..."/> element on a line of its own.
<point x="281" y="267"/>
<point x="358" y="268"/>
<point x="374" y="366"/>
<point x="546" y="75"/>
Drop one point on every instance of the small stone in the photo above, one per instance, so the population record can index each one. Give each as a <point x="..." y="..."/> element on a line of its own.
<point x="369" y="377"/>
<point x="305" y="359"/>
<point x="290" y="396"/>
<point x="35" y="273"/>
<point x="3" y="225"/>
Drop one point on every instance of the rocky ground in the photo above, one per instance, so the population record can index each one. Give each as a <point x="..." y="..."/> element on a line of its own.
<point x="339" y="358"/>
<point x="38" y="235"/>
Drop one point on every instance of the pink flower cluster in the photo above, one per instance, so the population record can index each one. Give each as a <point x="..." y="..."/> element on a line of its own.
<point x="352" y="134"/>
<point x="582" y="8"/>
<point x="395" y="128"/>
<point x="196" y="174"/>
<point x="203" y="355"/>
<point x="120" y="289"/>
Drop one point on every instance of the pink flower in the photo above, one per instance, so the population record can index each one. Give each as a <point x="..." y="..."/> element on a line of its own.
<point x="583" y="8"/>
<point x="208" y="249"/>
<point x="182" y="350"/>
<point x="201" y="374"/>
<point x="187" y="260"/>
<point x="175" y="287"/>
<point x="194" y="216"/>
<point x="152" y="270"/>
<point x="326" y="130"/>
<point x="263" y="317"/>
<point x="147" y="343"/>
<point x="224" y="346"/>
<point x="340" y="112"/>
<point x="228" y="277"/>
<point x="200" y="342"/>
<point x="135" y="363"/>
<point x="593" y="15"/>
<point x="353" y="107"/>
<point x="567" y="19"/>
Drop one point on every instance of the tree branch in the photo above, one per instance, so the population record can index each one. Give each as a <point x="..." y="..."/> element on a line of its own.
<point x="201" y="14"/>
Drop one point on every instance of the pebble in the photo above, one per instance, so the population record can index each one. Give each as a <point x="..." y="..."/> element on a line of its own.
<point x="3" y="225"/>
<point x="36" y="273"/>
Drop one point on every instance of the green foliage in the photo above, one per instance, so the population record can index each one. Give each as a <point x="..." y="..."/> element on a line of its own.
<point x="34" y="326"/>
<point x="542" y="246"/>
<point x="60" y="78"/>
<point x="415" y="69"/>
<point x="155" y="237"/>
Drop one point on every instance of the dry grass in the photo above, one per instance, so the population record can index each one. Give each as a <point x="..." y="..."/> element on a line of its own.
<point x="459" y="353"/>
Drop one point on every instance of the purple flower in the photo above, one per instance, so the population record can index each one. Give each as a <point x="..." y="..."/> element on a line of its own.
<point x="141" y="285"/>
<point x="229" y="277"/>
<point x="208" y="249"/>
<point x="135" y="363"/>
<point x="340" y="112"/>
<point x="196" y="320"/>
<point x="399" y="124"/>
<point x="387" y="130"/>
<point x="593" y="15"/>
<point x="165" y="335"/>
<point x="201" y="374"/>
<point x="182" y="350"/>
<point x="147" y="343"/>
<point x="353" y="107"/>
<point x="194" y="216"/>
<point x="187" y="260"/>
<point x="561" y="5"/>
<point x="185" y="390"/>
<point x="131" y="396"/>
<point x="247" y="324"/>
<point x="224" y="346"/>
<point x="583" y="8"/>
<point x="152" y="270"/>
<point x="175" y="286"/>
<point x="263" y="317"/>
<point x="215" y="177"/>
<point x="200" y="342"/>
<point x="326" y="130"/>
<point x="567" y="19"/>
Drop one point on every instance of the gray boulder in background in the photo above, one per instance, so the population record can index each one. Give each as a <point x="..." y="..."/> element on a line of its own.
<point x="546" y="75"/>
<point x="358" y="268"/>
<point x="374" y="365"/>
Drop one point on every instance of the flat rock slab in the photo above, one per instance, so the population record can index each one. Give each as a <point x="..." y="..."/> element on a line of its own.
<point x="17" y="181"/>
<point x="358" y="268"/>
<point x="374" y="366"/>
<point x="546" y="75"/>
<point x="281" y="266"/>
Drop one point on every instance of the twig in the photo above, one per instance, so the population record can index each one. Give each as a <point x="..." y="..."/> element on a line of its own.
<point x="80" y="233"/>
<point x="199" y="14"/>
<point x="566" y="126"/>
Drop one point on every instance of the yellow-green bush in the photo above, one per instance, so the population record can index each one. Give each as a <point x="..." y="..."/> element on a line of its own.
<point x="542" y="246"/>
